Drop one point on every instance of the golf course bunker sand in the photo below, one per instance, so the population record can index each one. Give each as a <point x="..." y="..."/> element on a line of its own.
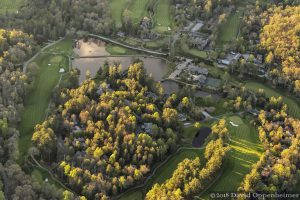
<point x="233" y="124"/>
<point x="200" y="137"/>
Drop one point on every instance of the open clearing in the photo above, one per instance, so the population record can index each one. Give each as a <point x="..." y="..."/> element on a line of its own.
<point x="164" y="172"/>
<point x="246" y="150"/>
<point x="293" y="106"/>
<point x="9" y="5"/>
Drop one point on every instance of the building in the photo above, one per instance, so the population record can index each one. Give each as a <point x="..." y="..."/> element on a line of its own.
<point x="199" y="42"/>
<point x="182" y="117"/>
<point x="200" y="79"/>
<point x="147" y="127"/>
<point x="197" y="70"/>
<point x="197" y="26"/>
<point x="146" y="23"/>
<point x="230" y="58"/>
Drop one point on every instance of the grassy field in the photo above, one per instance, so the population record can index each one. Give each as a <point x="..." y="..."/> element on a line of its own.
<point x="246" y="150"/>
<point x="158" y="43"/>
<point x="163" y="16"/>
<point x="229" y="30"/>
<point x="117" y="8"/>
<point x="293" y="106"/>
<point x="9" y="5"/>
<point x="138" y="10"/>
<point x="164" y="172"/>
<point x="196" y="53"/>
<point x="38" y="98"/>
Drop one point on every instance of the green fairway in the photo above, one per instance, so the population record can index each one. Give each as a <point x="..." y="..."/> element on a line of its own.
<point x="37" y="100"/>
<point x="137" y="10"/>
<point x="9" y="5"/>
<point x="246" y="150"/>
<point x="163" y="16"/>
<point x="117" y="8"/>
<point x="229" y="29"/>
<point x="164" y="172"/>
<point x="293" y="106"/>
<point x="197" y="53"/>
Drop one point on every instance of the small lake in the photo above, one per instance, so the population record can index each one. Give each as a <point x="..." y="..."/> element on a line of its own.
<point x="201" y="135"/>
<point x="155" y="67"/>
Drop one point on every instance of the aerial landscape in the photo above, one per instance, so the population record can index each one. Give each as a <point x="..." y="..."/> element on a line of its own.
<point x="149" y="99"/>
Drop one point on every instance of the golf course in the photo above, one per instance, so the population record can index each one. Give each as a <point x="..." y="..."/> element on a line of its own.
<point x="245" y="151"/>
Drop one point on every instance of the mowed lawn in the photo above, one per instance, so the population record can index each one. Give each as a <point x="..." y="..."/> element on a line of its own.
<point x="117" y="9"/>
<point x="37" y="100"/>
<point x="197" y="53"/>
<point x="138" y="10"/>
<point x="163" y="16"/>
<point x="229" y="30"/>
<point x="245" y="151"/>
<point x="9" y="5"/>
<point x="293" y="106"/>
<point x="164" y="172"/>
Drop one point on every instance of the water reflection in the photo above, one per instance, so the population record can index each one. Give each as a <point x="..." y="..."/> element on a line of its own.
<point x="154" y="66"/>
<point x="91" y="47"/>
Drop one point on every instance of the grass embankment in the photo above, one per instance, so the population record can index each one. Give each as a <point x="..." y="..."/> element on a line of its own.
<point x="117" y="8"/>
<point x="293" y="106"/>
<point x="164" y="172"/>
<point x="9" y="5"/>
<point x="228" y="31"/>
<point x="163" y="16"/>
<point x="246" y="150"/>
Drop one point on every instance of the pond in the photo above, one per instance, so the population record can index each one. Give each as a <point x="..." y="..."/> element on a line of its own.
<point x="92" y="54"/>
<point x="156" y="67"/>
<point x="201" y="135"/>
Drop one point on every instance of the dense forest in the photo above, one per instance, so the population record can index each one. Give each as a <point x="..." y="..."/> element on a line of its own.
<point x="15" y="48"/>
<point x="106" y="136"/>
<point x="280" y="38"/>
<point x="273" y="32"/>
<point x="56" y="18"/>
